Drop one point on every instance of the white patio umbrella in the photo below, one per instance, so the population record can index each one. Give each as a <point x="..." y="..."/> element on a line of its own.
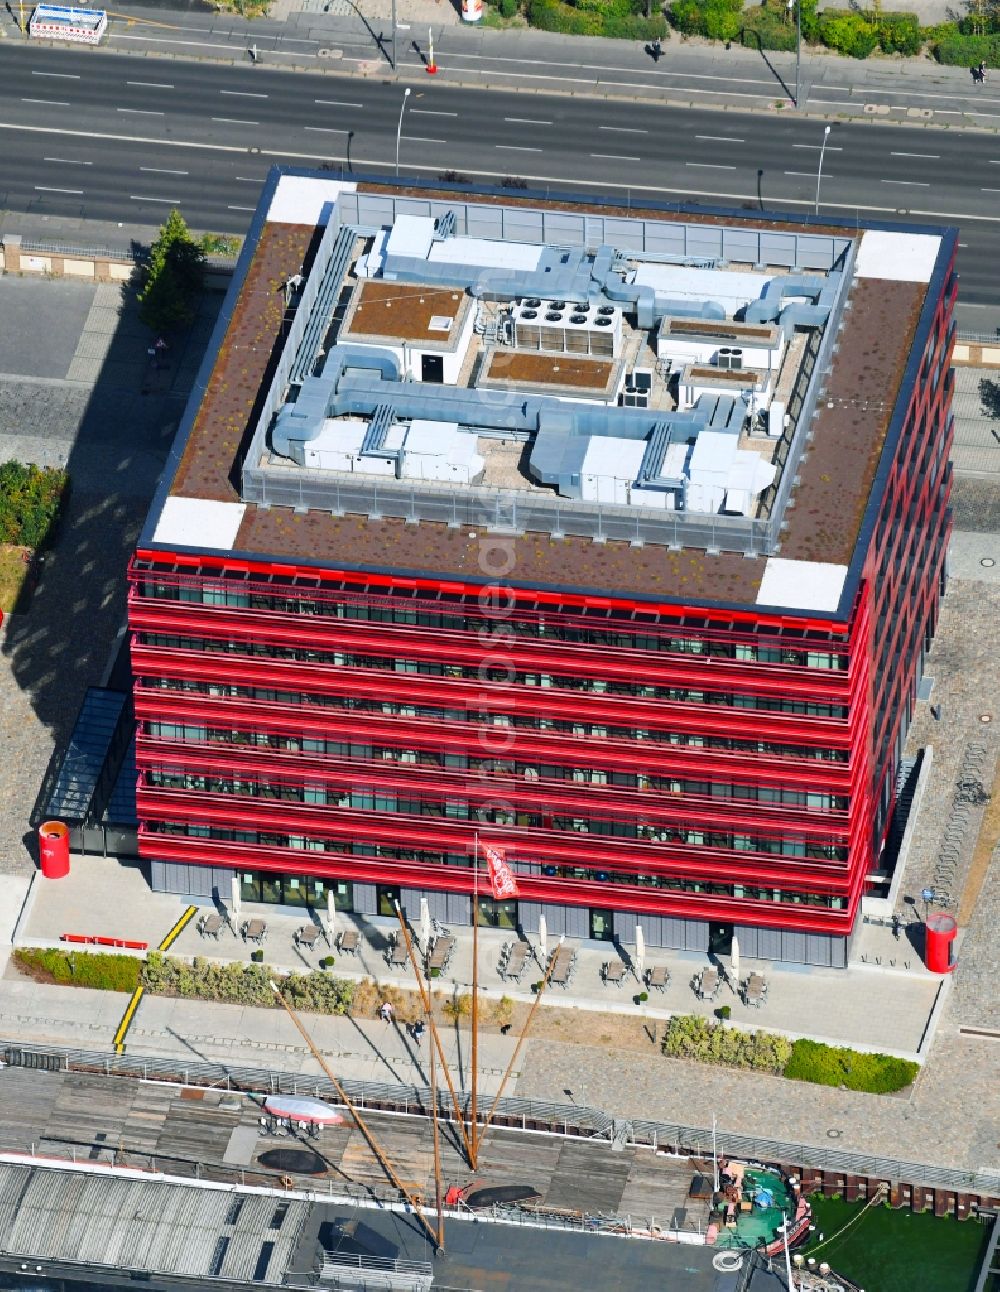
<point x="331" y="915"/>
<point x="234" y="901"/>
<point x="425" y="924"/>
<point x="543" y="939"/>
<point x="735" y="955"/>
<point x="640" y="952"/>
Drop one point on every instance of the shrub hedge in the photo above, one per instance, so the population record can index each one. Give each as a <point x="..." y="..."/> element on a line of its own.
<point x="968" y="51"/>
<point x="688" y="1036"/>
<point x="234" y="983"/>
<point x="618" y="19"/>
<point x="100" y="971"/>
<point x="243" y="984"/>
<point x="30" y="499"/>
<point x="771" y="26"/>
<point x="830" y="1065"/>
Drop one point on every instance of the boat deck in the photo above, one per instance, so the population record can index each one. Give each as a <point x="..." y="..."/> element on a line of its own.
<point x="218" y="1136"/>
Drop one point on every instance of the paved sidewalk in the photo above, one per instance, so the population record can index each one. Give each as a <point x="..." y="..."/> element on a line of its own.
<point x="344" y="38"/>
<point x="99" y="897"/>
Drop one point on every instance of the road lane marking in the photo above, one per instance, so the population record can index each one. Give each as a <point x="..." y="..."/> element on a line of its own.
<point x="62" y="76"/>
<point x="527" y="121"/>
<point x="922" y="156"/>
<point x="243" y="94"/>
<point x="709" y="166"/>
<point x="830" y="148"/>
<point x="337" y="103"/>
<point x="624" y="130"/>
<point x="248" y="179"/>
<point x="907" y="183"/>
<point x="52" y="103"/>
<point x="142" y="112"/>
<point x="157" y="170"/>
<point x="328" y="130"/>
<point x="168" y="201"/>
<point x="152" y="85"/>
<point x="721" y="139"/>
<point x="235" y="121"/>
<point x="804" y="174"/>
<point x="421" y="139"/>
<point x="430" y="112"/>
<point x="68" y="161"/>
<point x="199" y="146"/>
<point x="42" y="188"/>
<point x="516" y="148"/>
<point x="987" y="190"/>
<point x="613" y="157"/>
<point x="251" y="209"/>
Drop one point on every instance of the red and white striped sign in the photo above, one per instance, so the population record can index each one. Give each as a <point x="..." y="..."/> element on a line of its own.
<point x="502" y="879"/>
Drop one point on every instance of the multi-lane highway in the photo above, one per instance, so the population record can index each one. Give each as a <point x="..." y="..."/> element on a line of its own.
<point x="90" y="134"/>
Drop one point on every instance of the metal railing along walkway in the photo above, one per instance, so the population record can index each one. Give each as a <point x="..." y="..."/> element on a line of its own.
<point x="512" y="1113"/>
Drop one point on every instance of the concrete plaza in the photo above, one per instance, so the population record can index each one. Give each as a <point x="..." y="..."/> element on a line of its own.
<point x="883" y="1001"/>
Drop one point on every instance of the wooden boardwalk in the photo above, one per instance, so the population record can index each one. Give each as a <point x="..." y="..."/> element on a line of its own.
<point x="187" y="1131"/>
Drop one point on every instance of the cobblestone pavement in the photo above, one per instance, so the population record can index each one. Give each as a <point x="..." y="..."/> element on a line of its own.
<point x="977" y="421"/>
<point x="110" y="424"/>
<point x="949" y="1119"/>
<point x="962" y="662"/>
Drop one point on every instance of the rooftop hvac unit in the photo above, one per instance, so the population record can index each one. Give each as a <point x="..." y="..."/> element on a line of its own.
<point x="730" y="358"/>
<point x="558" y="327"/>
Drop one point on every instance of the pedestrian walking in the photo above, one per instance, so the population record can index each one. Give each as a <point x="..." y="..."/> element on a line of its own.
<point x="417" y="1030"/>
<point x="386" y="1012"/>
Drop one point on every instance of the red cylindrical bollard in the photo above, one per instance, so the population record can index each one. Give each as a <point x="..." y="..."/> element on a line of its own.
<point x="53" y="848"/>
<point x="939" y="935"/>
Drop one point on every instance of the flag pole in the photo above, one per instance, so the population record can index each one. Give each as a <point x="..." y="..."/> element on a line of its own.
<point x="475" y="998"/>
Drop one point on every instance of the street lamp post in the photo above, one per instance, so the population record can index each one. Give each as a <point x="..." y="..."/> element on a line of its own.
<point x="819" y="168"/>
<point x="399" y="128"/>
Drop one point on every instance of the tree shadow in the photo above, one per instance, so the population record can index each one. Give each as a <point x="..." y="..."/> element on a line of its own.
<point x="989" y="398"/>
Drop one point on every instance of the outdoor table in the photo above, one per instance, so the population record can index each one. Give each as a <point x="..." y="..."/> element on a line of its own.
<point x="347" y="942"/>
<point x="709" y="983"/>
<point x="212" y="925"/>
<point x="307" y="936"/>
<point x="756" y="990"/>
<point x="562" y="964"/>
<point x="255" y="930"/>
<point x="398" y="954"/>
<point x="514" y="966"/>
<point x="443" y="947"/>
<point x="658" y="977"/>
<point x="614" y="971"/>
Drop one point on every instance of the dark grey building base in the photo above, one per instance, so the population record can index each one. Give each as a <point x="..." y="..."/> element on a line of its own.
<point x="664" y="932"/>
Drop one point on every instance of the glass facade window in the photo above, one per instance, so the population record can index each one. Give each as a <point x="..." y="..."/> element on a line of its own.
<point x="602" y="925"/>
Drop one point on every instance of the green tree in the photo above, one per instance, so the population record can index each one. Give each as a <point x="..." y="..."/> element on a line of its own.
<point x="173" y="277"/>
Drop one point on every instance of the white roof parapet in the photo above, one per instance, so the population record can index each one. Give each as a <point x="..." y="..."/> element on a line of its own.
<point x="898" y="257"/>
<point x="300" y="200"/>
<point x="198" y="522"/>
<point x="801" y="585"/>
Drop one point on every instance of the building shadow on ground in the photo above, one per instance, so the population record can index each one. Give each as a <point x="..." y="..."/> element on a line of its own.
<point x="118" y="417"/>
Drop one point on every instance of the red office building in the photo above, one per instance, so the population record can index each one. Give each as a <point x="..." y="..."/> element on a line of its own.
<point x="615" y="540"/>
